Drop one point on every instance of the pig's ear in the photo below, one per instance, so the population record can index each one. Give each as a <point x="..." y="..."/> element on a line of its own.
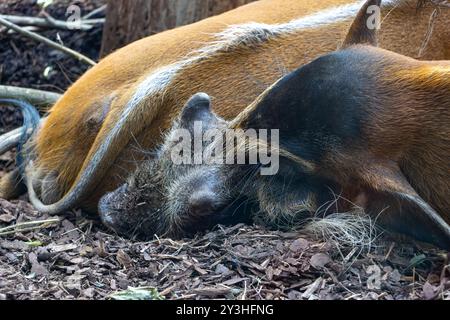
<point x="364" y="28"/>
<point x="400" y="207"/>
<point x="198" y="109"/>
<point x="263" y="112"/>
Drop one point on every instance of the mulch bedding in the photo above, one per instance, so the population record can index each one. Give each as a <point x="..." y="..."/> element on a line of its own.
<point x="74" y="257"/>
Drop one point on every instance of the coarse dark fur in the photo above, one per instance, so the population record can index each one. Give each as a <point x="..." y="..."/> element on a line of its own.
<point x="164" y="198"/>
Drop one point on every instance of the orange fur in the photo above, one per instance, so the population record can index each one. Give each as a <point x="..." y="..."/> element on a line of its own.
<point x="80" y="120"/>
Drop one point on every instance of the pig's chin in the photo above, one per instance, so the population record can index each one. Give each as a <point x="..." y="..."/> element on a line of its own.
<point x="187" y="224"/>
<point x="237" y="211"/>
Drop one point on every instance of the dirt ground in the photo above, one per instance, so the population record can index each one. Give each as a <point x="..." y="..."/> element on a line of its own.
<point x="74" y="257"/>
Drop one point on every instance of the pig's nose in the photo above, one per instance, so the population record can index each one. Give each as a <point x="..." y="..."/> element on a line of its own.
<point x="202" y="203"/>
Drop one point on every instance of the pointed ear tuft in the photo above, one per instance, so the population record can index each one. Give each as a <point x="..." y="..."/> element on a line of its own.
<point x="364" y="28"/>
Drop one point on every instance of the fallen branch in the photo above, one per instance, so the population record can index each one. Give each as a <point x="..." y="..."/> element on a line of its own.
<point x="48" y="42"/>
<point x="10" y="139"/>
<point x="33" y="96"/>
<point x="94" y="12"/>
<point x="50" y="22"/>
<point x="68" y="25"/>
<point x="10" y="31"/>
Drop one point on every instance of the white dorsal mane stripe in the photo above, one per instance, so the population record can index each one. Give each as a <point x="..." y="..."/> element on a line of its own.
<point x="247" y="34"/>
<point x="252" y="33"/>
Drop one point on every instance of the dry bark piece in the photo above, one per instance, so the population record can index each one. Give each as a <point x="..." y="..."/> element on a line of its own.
<point x="124" y="259"/>
<point x="429" y="291"/>
<point x="212" y="292"/>
<point x="7" y="218"/>
<point x="319" y="260"/>
<point x="299" y="245"/>
<point x="36" y="267"/>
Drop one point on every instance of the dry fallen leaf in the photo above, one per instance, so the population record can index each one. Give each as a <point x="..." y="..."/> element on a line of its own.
<point x="124" y="259"/>
<point x="299" y="245"/>
<point x="319" y="260"/>
<point x="7" y="218"/>
<point x="221" y="269"/>
<point x="429" y="291"/>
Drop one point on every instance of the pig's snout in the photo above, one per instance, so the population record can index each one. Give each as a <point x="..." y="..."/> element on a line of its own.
<point x="108" y="207"/>
<point x="203" y="203"/>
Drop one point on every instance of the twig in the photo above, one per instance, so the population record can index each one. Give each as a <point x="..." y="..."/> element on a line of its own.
<point x="83" y="26"/>
<point x="389" y="251"/>
<point x="9" y="31"/>
<point x="25" y="229"/>
<point x="33" y="96"/>
<point x="49" y="22"/>
<point x="49" y="42"/>
<point x="67" y="25"/>
<point x="29" y="225"/>
<point x="94" y="12"/>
